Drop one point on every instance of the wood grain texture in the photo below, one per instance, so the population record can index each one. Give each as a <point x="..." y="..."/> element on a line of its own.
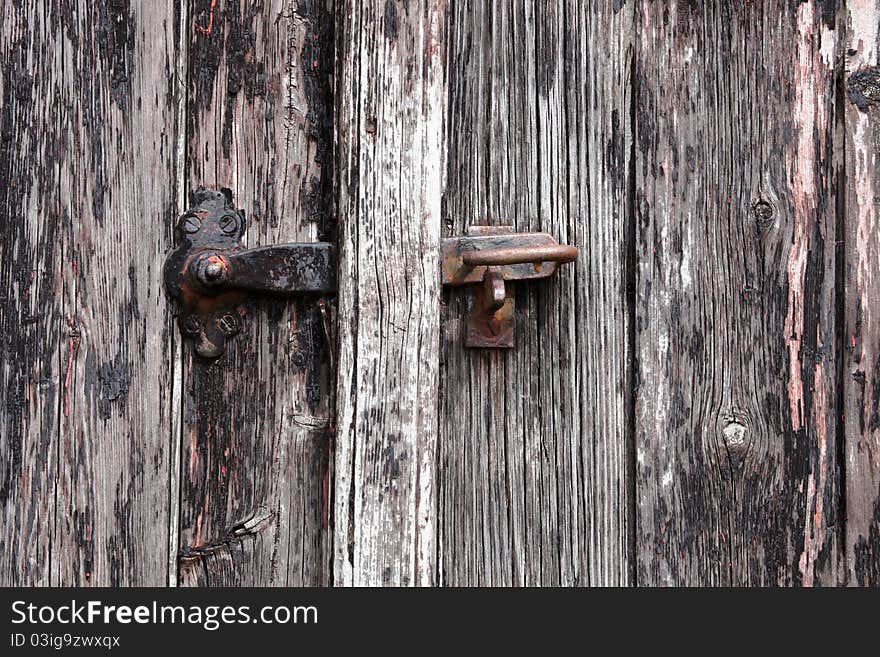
<point x="255" y="453"/>
<point x="87" y="186"/>
<point x="693" y="402"/>
<point x="533" y="448"/>
<point x="391" y="165"/>
<point x="30" y="301"/>
<point x="861" y="367"/>
<point x="737" y="335"/>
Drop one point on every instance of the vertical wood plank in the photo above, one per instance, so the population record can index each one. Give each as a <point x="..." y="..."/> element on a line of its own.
<point x="737" y="169"/>
<point x="391" y="159"/>
<point x="861" y="373"/>
<point x="533" y="450"/>
<point x="255" y="458"/>
<point x="88" y="181"/>
<point x="30" y="295"/>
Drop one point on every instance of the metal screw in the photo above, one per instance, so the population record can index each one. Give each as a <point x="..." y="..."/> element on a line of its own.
<point x="213" y="271"/>
<point x="228" y="224"/>
<point x="191" y="224"/>
<point x="229" y="324"/>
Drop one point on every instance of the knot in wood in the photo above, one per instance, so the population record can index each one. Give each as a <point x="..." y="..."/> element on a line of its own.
<point x="763" y="212"/>
<point x="864" y="87"/>
<point x="736" y="439"/>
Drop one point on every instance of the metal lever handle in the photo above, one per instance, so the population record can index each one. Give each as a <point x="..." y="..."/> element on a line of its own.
<point x="212" y="275"/>
<point x="278" y="269"/>
<point x="520" y="255"/>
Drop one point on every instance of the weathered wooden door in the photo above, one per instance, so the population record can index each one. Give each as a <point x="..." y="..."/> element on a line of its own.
<point x="691" y="402"/>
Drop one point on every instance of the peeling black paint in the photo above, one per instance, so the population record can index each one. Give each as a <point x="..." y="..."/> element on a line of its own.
<point x="115" y="31"/>
<point x="829" y="12"/>
<point x="114" y="377"/>
<point x="28" y="343"/>
<point x="732" y="488"/>
<point x="309" y="350"/>
<point x="65" y="151"/>
<point x="317" y="62"/>
<point x="243" y="70"/>
<point x="205" y="56"/>
<point x="83" y="523"/>
<point x="106" y="384"/>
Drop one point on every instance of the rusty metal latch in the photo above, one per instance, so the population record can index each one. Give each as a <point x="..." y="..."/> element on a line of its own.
<point x="489" y="257"/>
<point x="211" y="274"/>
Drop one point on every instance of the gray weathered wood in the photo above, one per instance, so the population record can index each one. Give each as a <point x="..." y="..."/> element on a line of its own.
<point x="391" y="159"/>
<point x="861" y="376"/>
<point x="87" y="180"/>
<point x="674" y="410"/>
<point x="533" y="441"/>
<point x="737" y="169"/>
<point x="255" y="457"/>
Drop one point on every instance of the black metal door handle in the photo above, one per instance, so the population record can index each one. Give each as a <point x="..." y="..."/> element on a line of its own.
<point x="211" y="274"/>
<point x="280" y="269"/>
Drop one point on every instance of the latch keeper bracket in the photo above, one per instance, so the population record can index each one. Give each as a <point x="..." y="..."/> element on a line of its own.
<point x="490" y="258"/>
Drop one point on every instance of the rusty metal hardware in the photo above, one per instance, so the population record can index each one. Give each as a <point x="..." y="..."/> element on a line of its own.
<point x="212" y="275"/>
<point x="489" y="258"/>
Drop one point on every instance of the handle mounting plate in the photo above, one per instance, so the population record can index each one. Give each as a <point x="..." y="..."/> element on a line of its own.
<point x="212" y="275"/>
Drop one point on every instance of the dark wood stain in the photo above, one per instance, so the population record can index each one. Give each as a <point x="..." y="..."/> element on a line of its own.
<point x="317" y="63"/>
<point x="116" y="28"/>
<point x="390" y="21"/>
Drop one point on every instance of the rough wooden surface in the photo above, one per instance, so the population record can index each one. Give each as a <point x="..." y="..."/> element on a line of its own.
<point x="533" y="448"/>
<point x="256" y="443"/>
<point x="86" y="186"/>
<point x="391" y="159"/>
<point x="861" y="368"/>
<point x="685" y="403"/>
<point x="736" y="324"/>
